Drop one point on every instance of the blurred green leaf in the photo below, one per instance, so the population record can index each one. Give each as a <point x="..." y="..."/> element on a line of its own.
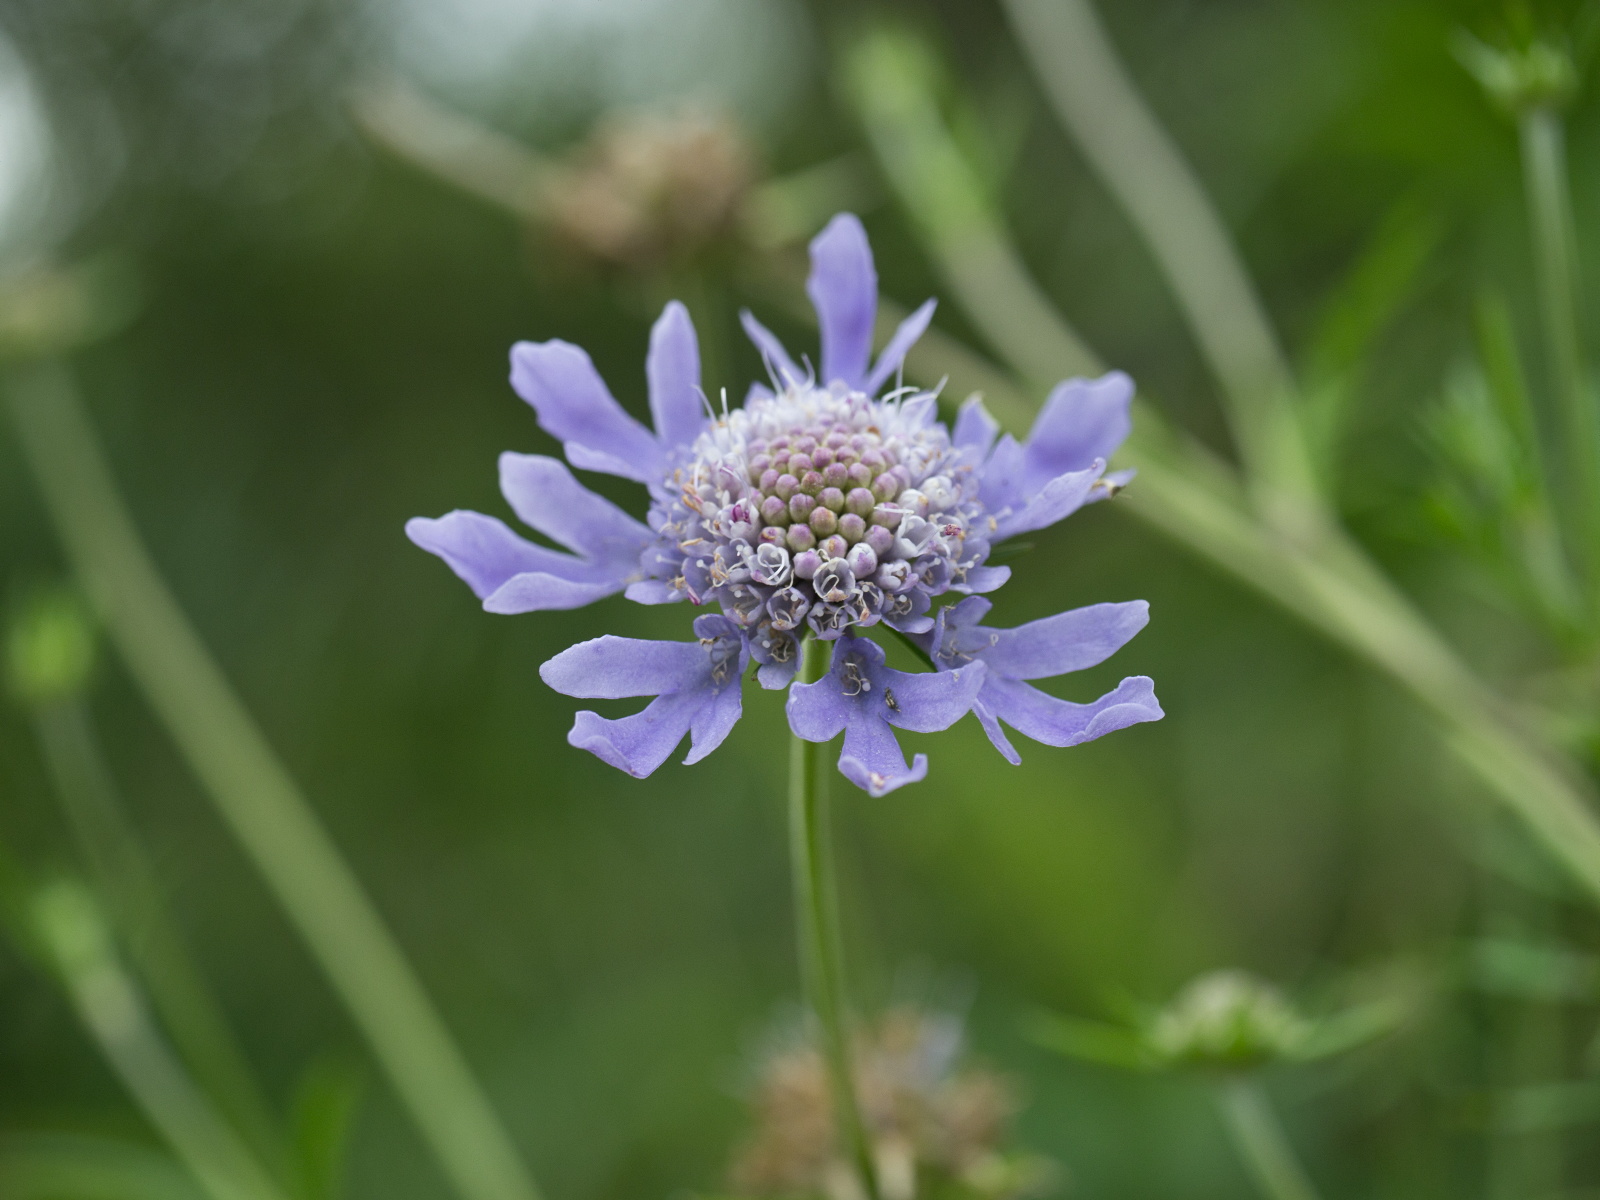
<point x="1540" y="971"/>
<point x="322" y="1120"/>
<point x="1091" y="1041"/>
<point x="78" y="1167"/>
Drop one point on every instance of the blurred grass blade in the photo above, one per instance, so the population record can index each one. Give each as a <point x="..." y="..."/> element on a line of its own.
<point x="1543" y="1106"/>
<point x="1555" y="260"/>
<point x="887" y="75"/>
<point x="76" y="1167"/>
<point x="255" y="794"/>
<point x="1144" y="170"/>
<point x="1314" y="570"/>
<point x="127" y="878"/>
<point x="68" y="925"/>
<point x="1361" y="306"/>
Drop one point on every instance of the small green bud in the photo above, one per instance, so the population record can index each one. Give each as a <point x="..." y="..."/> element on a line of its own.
<point x="49" y="648"/>
<point x="1227" y="1019"/>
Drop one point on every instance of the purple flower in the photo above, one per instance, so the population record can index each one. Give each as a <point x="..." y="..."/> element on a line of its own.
<point x="866" y="700"/>
<point x="1069" y="641"/>
<point x="821" y="508"/>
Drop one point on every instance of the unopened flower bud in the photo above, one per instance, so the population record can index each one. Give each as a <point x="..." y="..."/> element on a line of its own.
<point x="831" y="498"/>
<point x="863" y="562"/>
<point x="800" y="538"/>
<point x="807" y="564"/>
<point x="823" y="521"/>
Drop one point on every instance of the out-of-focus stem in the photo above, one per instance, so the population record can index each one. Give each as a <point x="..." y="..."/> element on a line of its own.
<point x="1543" y="138"/>
<point x="1316" y="572"/>
<point x="1147" y="174"/>
<point x="816" y="904"/>
<point x="255" y="794"/>
<point x="1007" y="306"/>
<point x="1261" y="1142"/>
<point x="68" y="924"/>
<point x="126" y="877"/>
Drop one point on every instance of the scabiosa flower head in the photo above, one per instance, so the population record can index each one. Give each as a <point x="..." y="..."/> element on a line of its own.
<point x="822" y="508"/>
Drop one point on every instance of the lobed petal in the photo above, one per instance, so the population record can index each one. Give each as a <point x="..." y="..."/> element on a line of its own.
<point x="843" y="286"/>
<point x="574" y="405"/>
<point x="673" y="370"/>
<point x="640" y="743"/>
<point x="609" y="667"/>
<point x="930" y="701"/>
<point x="871" y="759"/>
<point x="975" y="428"/>
<point x="544" y="494"/>
<point x="541" y="591"/>
<point x="777" y="358"/>
<point x="1057" y="499"/>
<point x="1069" y="641"/>
<point x="1055" y="722"/>
<point x="1082" y="420"/>
<point x="485" y="553"/>
<point x="905" y="337"/>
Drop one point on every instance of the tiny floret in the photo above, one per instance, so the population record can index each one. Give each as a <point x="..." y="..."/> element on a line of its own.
<point x="823" y="508"/>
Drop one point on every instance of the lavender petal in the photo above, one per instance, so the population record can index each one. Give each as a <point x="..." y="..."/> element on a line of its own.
<point x="871" y="759"/>
<point x="484" y="552"/>
<point x="574" y="405"/>
<point x="640" y="743"/>
<point x="673" y="370"/>
<point x="1082" y="420"/>
<point x="607" y="668"/>
<point x="1061" y="723"/>
<point x="843" y="287"/>
<point x="543" y="493"/>
<point x="905" y="337"/>
<point x="1069" y="641"/>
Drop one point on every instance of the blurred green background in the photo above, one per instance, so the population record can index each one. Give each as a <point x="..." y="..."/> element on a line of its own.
<point x="319" y="353"/>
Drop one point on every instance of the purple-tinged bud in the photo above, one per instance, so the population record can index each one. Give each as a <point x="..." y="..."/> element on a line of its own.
<point x="788" y="608"/>
<point x="805" y="445"/>
<point x="831" y="497"/>
<point x="786" y="486"/>
<point x="806" y="564"/>
<point x="860" y="501"/>
<point x="874" y="461"/>
<point x="861" y="475"/>
<point x="913" y="501"/>
<point x="836" y="475"/>
<point x="799" y="464"/>
<point x="885" y="487"/>
<point x="880" y="539"/>
<point x="822" y="459"/>
<point x="863" y="561"/>
<point x="772" y="535"/>
<point x="824" y="521"/>
<point x="774" y="511"/>
<point x="766" y="479"/>
<point x="771" y="566"/>
<point x="836" y="440"/>
<point x="799" y="538"/>
<point x="835" y="581"/>
<point x="833" y="547"/>
<point x="888" y="516"/>
<point x="800" y="506"/>
<point x="811" y="482"/>
<point x="893" y="576"/>
<point x="760" y="462"/>
<point x="852" y="527"/>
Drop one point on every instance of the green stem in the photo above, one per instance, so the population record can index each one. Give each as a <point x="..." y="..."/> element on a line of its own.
<point x="1139" y="163"/>
<point x="1261" y="1142"/>
<point x="125" y="875"/>
<point x="68" y="924"/>
<point x="255" y="794"/>
<point x="1543" y="139"/>
<point x="817" y="921"/>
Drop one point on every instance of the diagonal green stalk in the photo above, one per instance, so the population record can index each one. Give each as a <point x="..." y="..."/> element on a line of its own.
<point x="1146" y="172"/>
<point x="67" y="923"/>
<point x="1543" y="141"/>
<point x="127" y="878"/>
<point x="1313" y="569"/>
<point x="1262" y="1144"/>
<point x="255" y="794"/>
<point x="816" y="904"/>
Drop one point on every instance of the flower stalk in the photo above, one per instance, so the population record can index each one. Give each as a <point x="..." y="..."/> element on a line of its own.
<point x="1259" y="1137"/>
<point x="817" y="925"/>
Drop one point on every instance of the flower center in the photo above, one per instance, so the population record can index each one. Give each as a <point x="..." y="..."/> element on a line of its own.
<point x="818" y="507"/>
